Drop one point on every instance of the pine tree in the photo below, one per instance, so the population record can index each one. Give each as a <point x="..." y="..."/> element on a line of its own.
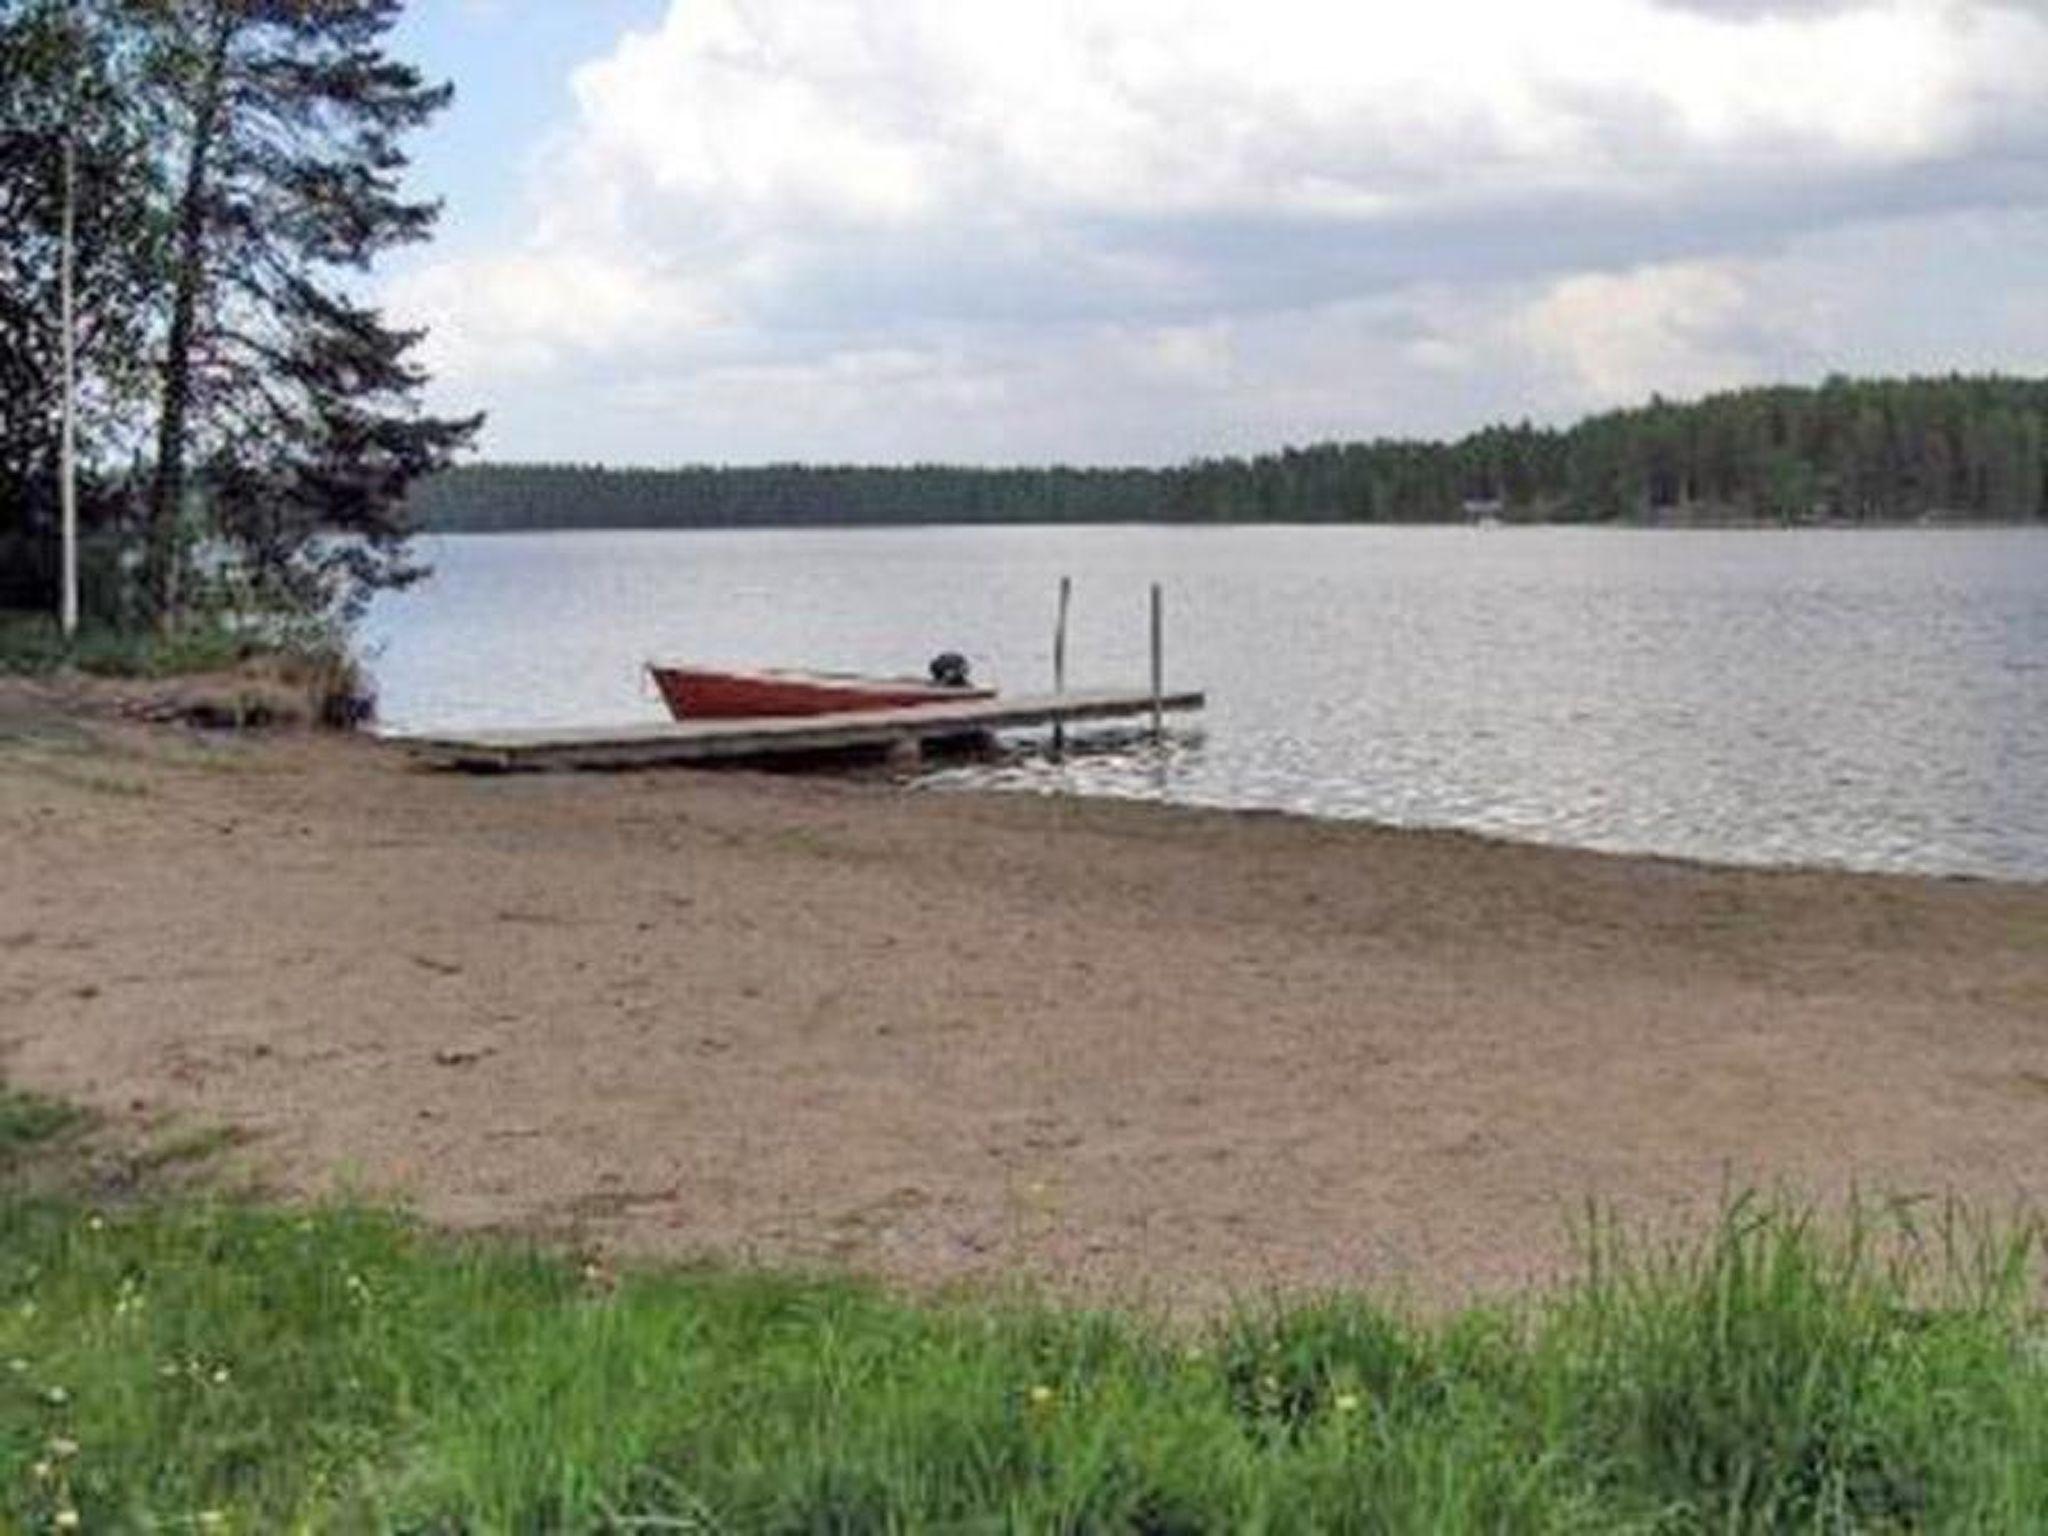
<point x="292" y="400"/>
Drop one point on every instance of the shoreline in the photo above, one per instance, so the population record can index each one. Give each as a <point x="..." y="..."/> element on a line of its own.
<point x="1703" y="863"/>
<point x="1116" y="1047"/>
<point x="1901" y="525"/>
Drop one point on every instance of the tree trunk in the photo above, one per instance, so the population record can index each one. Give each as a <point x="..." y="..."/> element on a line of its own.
<point x="167" y="486"/>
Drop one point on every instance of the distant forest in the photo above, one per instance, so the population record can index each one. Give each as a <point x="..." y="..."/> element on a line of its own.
<point x="1851" y="450"/>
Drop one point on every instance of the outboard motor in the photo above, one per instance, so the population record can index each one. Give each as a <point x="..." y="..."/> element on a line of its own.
<point x="949" y="670"/>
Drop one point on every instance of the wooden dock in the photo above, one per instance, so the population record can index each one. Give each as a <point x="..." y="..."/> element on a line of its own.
<point x="647" y="744"/>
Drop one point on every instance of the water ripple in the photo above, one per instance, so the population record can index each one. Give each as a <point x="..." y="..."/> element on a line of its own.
<point x="1873" y="700"/>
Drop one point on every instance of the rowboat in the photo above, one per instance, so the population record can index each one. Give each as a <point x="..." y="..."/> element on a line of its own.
<point x="704" y="693"/>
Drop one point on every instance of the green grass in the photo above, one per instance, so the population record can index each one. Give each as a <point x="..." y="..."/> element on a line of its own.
<point x="29" y="1122"/>
<point x="32" y="644"/>
<point x="176" y="1364"/>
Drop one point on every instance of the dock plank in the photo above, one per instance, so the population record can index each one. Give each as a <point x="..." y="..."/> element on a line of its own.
<point x="648" y="743"/>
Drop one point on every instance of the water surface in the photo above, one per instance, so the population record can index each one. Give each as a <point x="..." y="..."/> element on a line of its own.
<point x="1871" y="699"/>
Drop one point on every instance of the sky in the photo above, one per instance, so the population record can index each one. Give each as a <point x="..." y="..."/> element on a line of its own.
<point x="1146" y="231"/>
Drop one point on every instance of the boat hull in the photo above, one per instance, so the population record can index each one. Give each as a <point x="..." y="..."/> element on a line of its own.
<point x="700" y="693"/>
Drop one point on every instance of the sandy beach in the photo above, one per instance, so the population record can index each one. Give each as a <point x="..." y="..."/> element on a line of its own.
<point x="1123" y="1049"/>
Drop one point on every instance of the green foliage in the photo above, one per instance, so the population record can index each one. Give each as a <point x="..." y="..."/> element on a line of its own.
<point x="343" y="1370"/>
<point x="1850" y="451"/>
<point x="290" y="402"/>
<point x="65" y="85"/>
<point x="237" y="167"/>
<point x="32" y="644"/>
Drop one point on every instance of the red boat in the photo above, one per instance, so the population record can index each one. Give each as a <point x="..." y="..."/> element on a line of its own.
<point x="701" y="693"/>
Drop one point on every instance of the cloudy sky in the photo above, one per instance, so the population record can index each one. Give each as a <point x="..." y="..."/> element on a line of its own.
<point x="1144" y="230"/>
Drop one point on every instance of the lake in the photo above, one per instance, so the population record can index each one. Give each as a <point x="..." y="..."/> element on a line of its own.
<point x="1876" y="700"/>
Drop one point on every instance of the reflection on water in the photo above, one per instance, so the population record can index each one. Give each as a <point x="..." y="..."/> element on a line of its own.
<point x="1870" y="699"/>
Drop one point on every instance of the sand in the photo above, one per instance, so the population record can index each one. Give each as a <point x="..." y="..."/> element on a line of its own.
<point x="1123" y="1049"/>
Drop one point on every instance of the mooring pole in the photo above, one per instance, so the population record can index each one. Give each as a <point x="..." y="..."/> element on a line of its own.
<point x="67" y="451"/>
<point x="1158" y="667"/>
<point x="1059" y="665"/>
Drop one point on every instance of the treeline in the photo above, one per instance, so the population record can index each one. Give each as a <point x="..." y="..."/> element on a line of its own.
<point x="1854" y="450"/>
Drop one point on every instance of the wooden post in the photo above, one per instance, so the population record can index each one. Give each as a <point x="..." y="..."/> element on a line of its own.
<point x="1059" y="665"/>
<point x="1158" y="667"/>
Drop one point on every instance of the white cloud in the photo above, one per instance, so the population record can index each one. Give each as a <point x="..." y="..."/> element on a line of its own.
<point x="1130" y="223"/>
<point x="1622" y="335"/>
<point x="525" y="312"/>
